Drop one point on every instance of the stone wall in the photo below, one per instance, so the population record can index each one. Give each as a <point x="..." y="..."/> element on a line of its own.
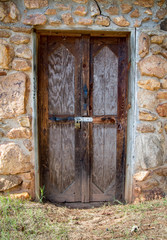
<point x="18" y="18"/>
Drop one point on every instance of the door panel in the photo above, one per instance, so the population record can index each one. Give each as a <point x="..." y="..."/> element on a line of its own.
<point x="82" y="77"/>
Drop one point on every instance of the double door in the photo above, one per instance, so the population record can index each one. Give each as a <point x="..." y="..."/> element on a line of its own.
<point x="82" y="101"/>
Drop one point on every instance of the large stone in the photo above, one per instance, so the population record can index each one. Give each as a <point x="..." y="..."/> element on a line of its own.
<point x="149" y="151"/>
<point x="162" y="110"/>
<point x="9" y="12"/>
<point x="50" y="11"/>
<point x="103" y="21"/>
<point x="135" y="14"/>
<point x="147" y="99"/>
<point x="157" y="39"/>
<point x="25" y="29"/>
<point x="35" y="19"/>
<point x="126" y="8"/>
<point x="154" y="66"/>
<point x="85" y="21"/>
<point x="162" y="95"/>
<point x="12" y="95"/>
<point x="13" y="160"/>
<point x="113" y="10"/>
<point x="19" y="39"/>
<point x="145" y="19"/>
<point x="161" y="13"/>
<point x="160" y="3"/>
<point x="55" y="22"/>
<point x="24" y="52"/>
<point x="80" y="11"/>
<point x="121" y="21"/>
<point x="21" y="132"/>
<point x="94" y="9"/>
<point x="144" y="3"/>
<point x="150" y="84"/>
<point x="62" y="7"/>
<point x="163" y="25"/>
<point x="156" y="49"/>
<point x="164" y="44"/>
<point x="145" y="115"/>
<point x="35" y="3"/>
<point x="145" y="128"/>
<point x="9" y="181"/>
<point x="4" y="34"/>
<point x="21" y="196"/>
<point x="144" y="43"/>
<point x="6" y="55"/>
<point x="20" y="64"/>
<point x="141" y="176"/>
<point x="164" y="83"/>
<point x="67" y="19"/>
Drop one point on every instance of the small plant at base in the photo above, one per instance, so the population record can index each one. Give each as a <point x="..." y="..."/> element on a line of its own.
<point x="42" y="196"/>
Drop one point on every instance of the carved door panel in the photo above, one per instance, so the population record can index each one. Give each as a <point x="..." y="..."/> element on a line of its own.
<point x="82" y="160"/>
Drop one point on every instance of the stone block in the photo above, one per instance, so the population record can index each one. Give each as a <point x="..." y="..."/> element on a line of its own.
<point x="62" y="7"/>
<point x="50" y="11"/>
<point x="149" y="151"/>
<point x="25" y="121"/>
<point x="94" y="9"/>
<point x="35" y="3"/>
<point x="121" y="21"/>
<point x="113" y="10"/>
<point x="13" y="160"/>
<point x="146" y="99"/>
<point x="67" y="19"/>
<point x="145" y="115"/>
<point x="162" y="110"/>
<point x="126" y="8"/>
<point x="20" y="64"/>
<point x="156" y="49"/>
<point x="160" y="3"/>
<point x="54" y="22"/>
<point x="145" y="128"/>
<point x="103" y="21"/>
<point x="164" y="44"/>
<point x="154" y="66"/>
<point x="80" y="1"/>
<point x="85" y="21"/>
<point x="157" y="39"/>
<point x="164" y="83"/>
<point x="80" y="11"/>
<point x="12" y="97"/>
<point x="4" y="34"/>
<point x="21" y="132"/>
<point x="135" y="14"/>
<point x="141" y="176"/>
<point x="144" y="44"/>
<point x="144" y="3"/>
<point x="8" y="182"/>
<point x="35" y="19"/>
<point x="162" y="95"/>
<point x="149" y="12"/>
<point x="9" y="12"/>
<point x="6" y="55"/>
<point x="20" y="39"/>
<point x="149" y="84"/>
<point x="24" y="52"/>
<point x="161" y="13"/>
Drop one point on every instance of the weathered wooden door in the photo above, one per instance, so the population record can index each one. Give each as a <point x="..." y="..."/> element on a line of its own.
<point x="82" y="160"/>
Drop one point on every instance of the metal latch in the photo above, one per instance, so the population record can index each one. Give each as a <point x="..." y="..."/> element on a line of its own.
<point x="78" y="121"/>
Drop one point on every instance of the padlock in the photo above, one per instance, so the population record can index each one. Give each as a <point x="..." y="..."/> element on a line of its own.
<point x="77" y="124"/>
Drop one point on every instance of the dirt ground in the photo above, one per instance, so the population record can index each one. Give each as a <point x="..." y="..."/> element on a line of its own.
<point x="140" y="221"/>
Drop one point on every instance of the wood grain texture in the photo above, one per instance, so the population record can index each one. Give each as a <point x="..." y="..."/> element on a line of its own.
<point x="104" y="156"/>
<point x="62" y="156"/>
<point x="61" y="81"/>
<point x="105" y="78"/>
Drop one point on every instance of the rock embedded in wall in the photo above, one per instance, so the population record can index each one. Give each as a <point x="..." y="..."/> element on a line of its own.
<point x="8" y="182"/>
<point x="157" y="39"/>
<point x="19" y="39"/>
<point x="162" y="110"/>
<point x="145" y="128"/>
<point x="85" y="21"/>
<point x="80" y="1"/>
<point x="161" y="13"/>
<point x="23" y="52"/>
<point x="13" y="160"/>
<point x="9" y="12"/>
<point x="113" y="10"/>
<point x="12" y="101"/>
<point x="146" y="99"/>
<point x="35" y="3"/>
<point x="103" y="21"/>
<point x="80" y="11"/>
<point x="141" y="175"/>
<point x="121" y="21"/>
<point x="94" y="9"/>
<point x="4" y="34"/>
<point x="154" y="66"/>
<point x="126" y="8"/>
<point x="6" y="54"/>
<point x="144" y="44"/>
<point x="145" y="115"/>
<point x="28" y="144"/>
<point x="144" y="3"/>
<point x="21" y="132"/>
<point x="149" y="151"/>
<point x="149" y="84"/>
<point x="135" y="14"/>
<point x="164" y="83"/>
<point x="162" y="95"/>
<point x="67" y="19"/>
<point x="35" y="19"/>
<point x="51" y="11"/>
<point x="20" y="64"/>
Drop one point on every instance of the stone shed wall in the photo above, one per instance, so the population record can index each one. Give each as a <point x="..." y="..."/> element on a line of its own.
<point x="147" y="159"/>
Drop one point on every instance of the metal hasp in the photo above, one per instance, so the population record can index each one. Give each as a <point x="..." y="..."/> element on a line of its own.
<point x="84" y="119"/>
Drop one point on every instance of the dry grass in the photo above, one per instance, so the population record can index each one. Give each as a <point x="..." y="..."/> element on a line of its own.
<point x="31" y="220"/>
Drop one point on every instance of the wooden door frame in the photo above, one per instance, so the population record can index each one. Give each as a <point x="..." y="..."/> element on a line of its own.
<point x="131" y="124"/>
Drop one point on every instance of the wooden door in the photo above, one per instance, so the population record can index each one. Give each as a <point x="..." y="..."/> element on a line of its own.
<point x="82" y="77"/>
